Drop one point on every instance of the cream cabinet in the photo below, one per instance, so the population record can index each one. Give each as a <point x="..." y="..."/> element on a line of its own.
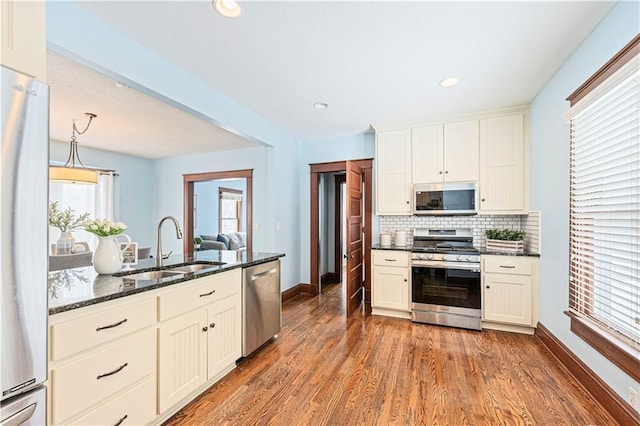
<point x="23" y="36"/>
<point x="139" y="359"/>
<point x="393" y="172"/>
<point x="97" y="356"/>
<point x="503" y="181"/>
<point x="391" y="284"/>
<point x="445" y="153"/>
<point x="199" y="336"/>
<point x="510" y="292"/>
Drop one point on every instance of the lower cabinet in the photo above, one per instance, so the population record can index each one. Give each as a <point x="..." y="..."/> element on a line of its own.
<point x="510" y="292"/>
<point x="88" y="381"/>
<point x="391" y="289"/>
<point x="139" y="359"/>
<point x="203" y="342"/>
<point x="182" y="364"/>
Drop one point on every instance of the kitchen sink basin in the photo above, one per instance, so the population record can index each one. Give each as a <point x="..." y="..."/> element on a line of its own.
<point x="152" y="275"/>
<point x="194" y="267"/>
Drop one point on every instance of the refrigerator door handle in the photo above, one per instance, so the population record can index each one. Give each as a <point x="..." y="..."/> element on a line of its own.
<point x="20" y="417"/>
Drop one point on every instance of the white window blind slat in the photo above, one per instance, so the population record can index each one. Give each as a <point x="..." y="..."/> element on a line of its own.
<point x="604" y="227"/>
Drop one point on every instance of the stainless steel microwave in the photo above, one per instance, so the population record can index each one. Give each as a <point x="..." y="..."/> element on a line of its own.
<point x="445" y="199"/>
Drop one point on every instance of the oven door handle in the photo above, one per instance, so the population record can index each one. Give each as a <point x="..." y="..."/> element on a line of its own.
<point x="445" y="265"/>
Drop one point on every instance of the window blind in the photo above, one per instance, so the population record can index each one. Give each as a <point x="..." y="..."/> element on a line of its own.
<point x="605" y="205"/>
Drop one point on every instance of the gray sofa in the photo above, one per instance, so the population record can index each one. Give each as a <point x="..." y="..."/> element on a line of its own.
<point x="230" y="241"/>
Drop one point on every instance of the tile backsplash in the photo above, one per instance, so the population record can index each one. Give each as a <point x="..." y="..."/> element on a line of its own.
<point x="529" y="223"/>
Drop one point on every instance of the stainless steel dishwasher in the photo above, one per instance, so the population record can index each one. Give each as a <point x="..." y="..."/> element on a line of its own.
<point x="262" y="305"/>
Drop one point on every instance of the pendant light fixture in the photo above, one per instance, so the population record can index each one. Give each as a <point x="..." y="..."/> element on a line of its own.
<point x="73" y="170"/>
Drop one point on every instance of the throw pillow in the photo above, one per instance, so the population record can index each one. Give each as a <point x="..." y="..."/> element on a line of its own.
<point x="224" y="239"/>
<point x="234" y="244"/>
<point x="209" y="237"/>
<point x="240" y="239"/>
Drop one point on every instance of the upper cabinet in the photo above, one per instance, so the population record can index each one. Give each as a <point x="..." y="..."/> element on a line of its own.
<point x="393" y="172"/>
<point x="23" y="37"/>
<point x="489" y="148"/>
<point x="445" y="153"/>
<point x="503" y="172"/>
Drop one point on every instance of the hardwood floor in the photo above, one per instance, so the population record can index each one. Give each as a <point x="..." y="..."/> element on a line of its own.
<point x="325" y="369"/>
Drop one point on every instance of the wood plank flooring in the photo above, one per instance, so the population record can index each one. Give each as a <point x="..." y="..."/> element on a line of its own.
<point x="325" y="369"/>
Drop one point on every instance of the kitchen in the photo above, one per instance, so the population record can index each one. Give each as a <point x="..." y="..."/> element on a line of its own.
<point x="278" y="177"/>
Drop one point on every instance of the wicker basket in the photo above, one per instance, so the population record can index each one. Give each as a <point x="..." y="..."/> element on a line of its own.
<point x="503" y="246"/>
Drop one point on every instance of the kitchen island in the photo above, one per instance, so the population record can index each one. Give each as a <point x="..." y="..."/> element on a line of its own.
<point x="125" y="351"/>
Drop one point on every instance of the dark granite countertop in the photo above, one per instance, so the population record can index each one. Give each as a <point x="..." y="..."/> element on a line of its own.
<point x="392" y="247"/>
<point x="78" y="287"/>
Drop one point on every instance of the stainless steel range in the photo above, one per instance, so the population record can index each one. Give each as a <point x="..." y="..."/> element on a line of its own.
<point x="445" y="278"/>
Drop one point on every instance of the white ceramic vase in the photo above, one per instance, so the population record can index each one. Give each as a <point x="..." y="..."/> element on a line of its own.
<point x="108" y="256"/>
<point x="65" y="243"/>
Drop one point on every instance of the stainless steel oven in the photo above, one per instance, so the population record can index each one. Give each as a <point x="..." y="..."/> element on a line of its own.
<point x="445" y="279"/>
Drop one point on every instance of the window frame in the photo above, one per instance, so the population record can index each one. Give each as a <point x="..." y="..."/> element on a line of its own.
<point x="238" y="217"/>
<point x="627" y="358"/>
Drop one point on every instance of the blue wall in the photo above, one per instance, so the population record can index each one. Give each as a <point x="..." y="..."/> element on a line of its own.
<point x="133" y="188"/>
<point x="550" y="180"/>
<point x="208" y="204"/>
<point x="80" y="36"/>
<point x="355" y="147"/>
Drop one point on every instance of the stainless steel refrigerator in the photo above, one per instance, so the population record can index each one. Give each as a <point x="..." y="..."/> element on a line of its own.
<point x="23" y="248"/>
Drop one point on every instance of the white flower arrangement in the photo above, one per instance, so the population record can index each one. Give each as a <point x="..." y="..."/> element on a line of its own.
<point x="104" y="227"/>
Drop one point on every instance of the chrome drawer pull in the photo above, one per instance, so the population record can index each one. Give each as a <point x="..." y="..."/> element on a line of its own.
<point x="112" y="325"/>
<point x="117" y="370"/>
<point x="390" y="260"/>
<point x="121" y="420"/>
<point x="208" y="294"/>
<point x="507" y="266"/>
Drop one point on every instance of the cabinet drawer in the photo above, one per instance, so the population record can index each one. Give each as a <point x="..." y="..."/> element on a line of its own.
<point x="508" y="265"/>
<point x="80" y="384"/>
<point x="391" y="258"/>
<point x="137" y="406"/>
<point x="198" y="293"/>
<point x="76" y="335"/>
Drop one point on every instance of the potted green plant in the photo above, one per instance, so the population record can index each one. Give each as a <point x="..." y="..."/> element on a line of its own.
<point x="66" y="221"/>
<point x="196" y="242"/>
<point x="505" y="240"/>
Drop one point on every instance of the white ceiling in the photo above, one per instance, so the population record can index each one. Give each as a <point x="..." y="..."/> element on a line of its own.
<point x="127" y="121"/>
<point x="372" y="62"/>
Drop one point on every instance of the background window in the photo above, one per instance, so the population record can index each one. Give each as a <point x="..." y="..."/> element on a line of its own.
<point x="230" y="210"/>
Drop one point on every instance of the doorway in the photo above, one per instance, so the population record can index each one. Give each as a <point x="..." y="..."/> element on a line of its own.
<point x="189" y="203"/>
<point x="332" y="216"/>
<point x="358" y="228"/>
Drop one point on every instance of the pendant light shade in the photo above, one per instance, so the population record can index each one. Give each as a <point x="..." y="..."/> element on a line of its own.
<point x="73" y="170"/>
<point x="75" y="175"/>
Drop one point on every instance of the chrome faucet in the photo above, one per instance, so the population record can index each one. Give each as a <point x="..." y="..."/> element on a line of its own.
<point x="159" y="256"/>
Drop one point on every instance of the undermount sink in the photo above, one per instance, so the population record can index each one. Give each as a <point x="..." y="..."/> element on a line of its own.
<point x="152" y="275"/>
<point x="194" y="267"/>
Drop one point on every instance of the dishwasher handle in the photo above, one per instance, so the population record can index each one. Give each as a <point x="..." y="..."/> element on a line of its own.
<point x="263" y="274"/>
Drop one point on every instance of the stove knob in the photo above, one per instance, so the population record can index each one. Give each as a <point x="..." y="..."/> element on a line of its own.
<point x="458" y="257"/>
<point x="430" y="257"/>
<point x="421" y="256"/>
<point x="444" y="257"/>
<point x="468" y="258"/>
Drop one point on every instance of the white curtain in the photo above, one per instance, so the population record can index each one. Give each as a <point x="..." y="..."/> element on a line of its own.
<point x="97" y="200"/>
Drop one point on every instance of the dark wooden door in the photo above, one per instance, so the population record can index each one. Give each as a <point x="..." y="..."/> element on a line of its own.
<point x="354" y="238"/>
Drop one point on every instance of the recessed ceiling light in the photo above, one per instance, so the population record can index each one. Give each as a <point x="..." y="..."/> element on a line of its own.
<point x="228" y="8"/>
<point x="320" y="105"/>
<point x="448" y="82"/>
